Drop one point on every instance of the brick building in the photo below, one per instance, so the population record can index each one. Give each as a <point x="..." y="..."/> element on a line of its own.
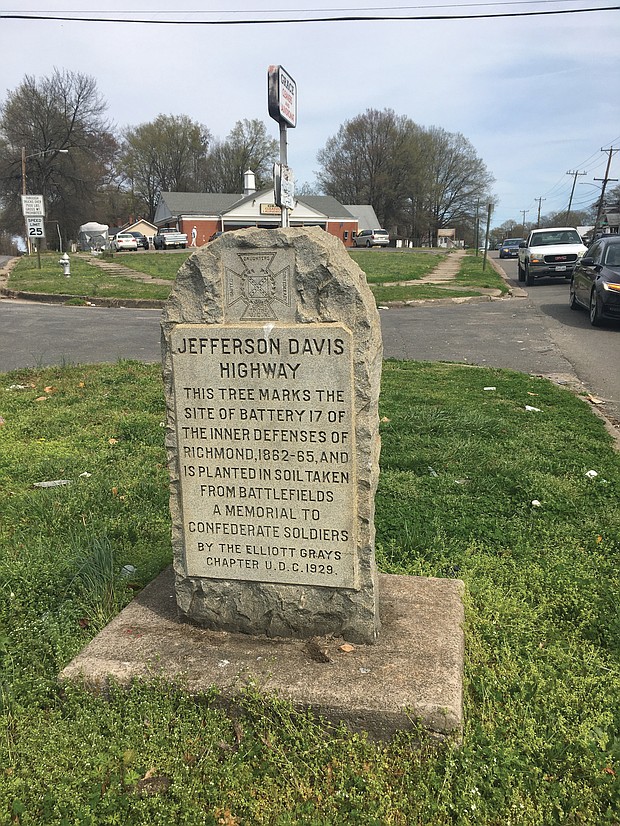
<point x="212" y="213"/>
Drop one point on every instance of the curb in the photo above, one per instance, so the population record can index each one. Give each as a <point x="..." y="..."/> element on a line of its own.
<point x="61" y="298"/>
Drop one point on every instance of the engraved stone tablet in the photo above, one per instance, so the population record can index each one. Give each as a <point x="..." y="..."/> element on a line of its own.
<point x="272" y="357"/>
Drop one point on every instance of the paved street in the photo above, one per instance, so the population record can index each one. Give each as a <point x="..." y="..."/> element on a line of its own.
<point x="535" y="334"/>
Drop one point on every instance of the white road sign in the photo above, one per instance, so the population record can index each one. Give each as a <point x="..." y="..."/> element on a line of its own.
<point x="32" y="205"/>
<point x="36" y="227"/>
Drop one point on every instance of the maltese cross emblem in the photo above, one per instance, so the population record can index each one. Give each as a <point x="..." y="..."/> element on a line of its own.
<point x="258" y="288"/>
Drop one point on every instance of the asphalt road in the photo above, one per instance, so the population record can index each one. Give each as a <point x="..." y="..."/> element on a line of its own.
<point x="535" y="334"/>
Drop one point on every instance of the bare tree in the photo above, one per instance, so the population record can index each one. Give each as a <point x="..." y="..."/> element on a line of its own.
<point x="247" y="147"/>
<point x="165" y="155"/>
<point x="42" y="116"/>
<point x="417" y="179"/>
<point x="363" y="162"/>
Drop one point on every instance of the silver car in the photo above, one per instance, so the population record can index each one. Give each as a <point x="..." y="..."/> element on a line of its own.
<point x="372" y="238"/>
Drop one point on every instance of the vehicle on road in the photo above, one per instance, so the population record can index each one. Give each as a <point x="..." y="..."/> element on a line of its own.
<point x="124" y="241"/>
<point x="168" y="237"/>
<point x="509" y="248"/>
<point x="372" y="238"/>
<point x="551" y="252"/>
<point x="595" y="284"/>
<point x="141" y="239"/>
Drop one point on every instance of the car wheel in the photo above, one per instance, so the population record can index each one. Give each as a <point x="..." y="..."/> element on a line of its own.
<point x="529" y="278"/>
<point x="596" y="316"/>
<point x="520" y="272"/>
<point x="368" y="244"/>
<point x="572" y="298"/>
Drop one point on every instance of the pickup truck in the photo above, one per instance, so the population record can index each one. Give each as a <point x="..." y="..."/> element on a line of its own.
<point x="168" y="237"/>
<point x="551" y="252"/>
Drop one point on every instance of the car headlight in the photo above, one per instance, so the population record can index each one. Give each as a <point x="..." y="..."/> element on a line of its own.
<point x="537" y="259"/>
<point x="612" y="288"/>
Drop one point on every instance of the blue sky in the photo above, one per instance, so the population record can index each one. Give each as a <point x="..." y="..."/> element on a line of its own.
<point x="536" y="96"/>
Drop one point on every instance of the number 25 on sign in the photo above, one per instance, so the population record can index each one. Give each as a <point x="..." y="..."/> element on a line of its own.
<point x="36" y="228"/>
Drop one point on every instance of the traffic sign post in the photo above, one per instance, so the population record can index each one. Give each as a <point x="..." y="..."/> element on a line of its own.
<point x="282" y="105"/>
<point x="33" y="210"/>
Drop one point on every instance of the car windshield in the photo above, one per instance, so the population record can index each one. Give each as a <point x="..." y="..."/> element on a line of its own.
<point x="547" y="239"/>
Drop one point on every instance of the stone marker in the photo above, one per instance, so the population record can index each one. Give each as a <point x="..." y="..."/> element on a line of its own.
<point x="272" y="360"/>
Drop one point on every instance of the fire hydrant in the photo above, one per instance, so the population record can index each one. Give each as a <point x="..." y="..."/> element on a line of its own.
<point x="65" y="264"/>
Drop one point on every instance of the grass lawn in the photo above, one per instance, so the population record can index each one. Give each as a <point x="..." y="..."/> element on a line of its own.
<point x="86" y="280"/>
<point x="380" y="266"/>
<point x="461" y="468"/>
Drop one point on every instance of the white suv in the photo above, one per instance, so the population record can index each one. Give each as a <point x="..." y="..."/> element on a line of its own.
<point x="372" y="238"/>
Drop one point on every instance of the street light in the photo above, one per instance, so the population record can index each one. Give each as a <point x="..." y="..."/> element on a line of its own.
<point x="24" y="159"/>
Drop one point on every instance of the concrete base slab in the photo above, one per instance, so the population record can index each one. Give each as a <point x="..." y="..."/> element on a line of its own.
<point x="413" y="674"/>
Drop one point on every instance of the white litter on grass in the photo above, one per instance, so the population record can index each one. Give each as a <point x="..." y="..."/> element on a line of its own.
<point x="53" y="484"/>
<point x="128" y="570"/>
<point x="536" y="503"/>
<point x="532" y="409"/>
<point x="85" y="475"/>
<point x="432" y="471"/>
<point x="489" y="388"/>
<point x="19" y="387"/>
<point x="591" y="474"/>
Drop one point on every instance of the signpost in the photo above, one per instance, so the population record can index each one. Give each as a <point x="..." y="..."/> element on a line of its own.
<point x="33" y="210"/>
<point x="282" y="104"/>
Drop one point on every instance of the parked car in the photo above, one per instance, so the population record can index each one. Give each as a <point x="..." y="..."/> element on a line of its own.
<point x="124" y="241"/>
<point x="509" y="248"/>
<point x="595" y="284"/>
<point x="372" y="238"/>
<point x="142" y="240"/>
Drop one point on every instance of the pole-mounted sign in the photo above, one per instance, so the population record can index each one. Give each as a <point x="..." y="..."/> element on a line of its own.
<point x="282" y="96"/>
<point x="282" y="104"/>
<point x="32" y="205"/>
<point x="36" y="227"/>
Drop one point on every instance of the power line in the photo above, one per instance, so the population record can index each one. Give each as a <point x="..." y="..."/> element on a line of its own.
<point x="339" y="19"/>
<point x="306" y="10"/>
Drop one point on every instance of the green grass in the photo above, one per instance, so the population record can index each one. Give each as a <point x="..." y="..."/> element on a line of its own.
<point x="471" y="274"/>
<point x="381" y="266"/>
<point x="86" y="280"/>
<point x="461" y="466"/>
<point x="384" y="265"/>
<point x="156" y="264"/>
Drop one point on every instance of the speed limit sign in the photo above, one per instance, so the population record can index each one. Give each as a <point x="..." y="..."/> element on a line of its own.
<point x="36" y="227"/>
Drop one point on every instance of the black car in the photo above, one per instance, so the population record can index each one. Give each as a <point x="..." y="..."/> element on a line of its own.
<point x="595" y="284"/>
<point x="142" y="240"/>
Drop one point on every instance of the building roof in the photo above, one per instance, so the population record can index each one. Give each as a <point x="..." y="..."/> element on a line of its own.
<point x="174" y="204"/>
<point x="365" y="215"/>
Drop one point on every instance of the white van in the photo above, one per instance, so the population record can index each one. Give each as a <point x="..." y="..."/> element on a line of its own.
<point x="372" y="238"/>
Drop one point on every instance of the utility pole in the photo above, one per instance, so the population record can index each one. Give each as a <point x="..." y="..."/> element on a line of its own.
<point x="486" y="237"/>
<point x="524" y="212"/>
<point x="605" y="180"/>
<point x="540" y="200"/>
<point x="572" y="192"/>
